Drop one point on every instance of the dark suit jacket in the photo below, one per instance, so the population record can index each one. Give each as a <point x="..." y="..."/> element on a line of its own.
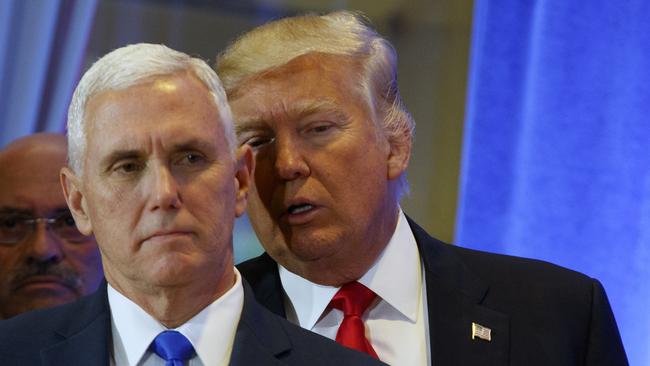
<point x="539" y="313"/>
<point x="80" y="334"/>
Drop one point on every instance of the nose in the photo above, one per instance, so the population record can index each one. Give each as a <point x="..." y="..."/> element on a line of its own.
<point x="289" y="160"/>
<point x="44" y="246"/>
<point x="165" y="194"/>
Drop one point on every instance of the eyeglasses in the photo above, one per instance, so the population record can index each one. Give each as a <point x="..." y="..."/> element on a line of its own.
<point x="14" y="228"/>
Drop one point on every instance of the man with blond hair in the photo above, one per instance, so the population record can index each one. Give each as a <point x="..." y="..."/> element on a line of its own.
<point x="156" y="176"/>
<point x="317" y="100"/>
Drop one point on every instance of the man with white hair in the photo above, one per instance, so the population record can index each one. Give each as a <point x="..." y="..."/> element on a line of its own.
<point x="156" y="176"/>
<point x="316" y="98"/>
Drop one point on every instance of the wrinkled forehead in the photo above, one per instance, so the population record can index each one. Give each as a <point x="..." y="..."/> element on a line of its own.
<point x="324" y="67"/>
<point x="163" y="113"/>
<point x="308" y="84"/>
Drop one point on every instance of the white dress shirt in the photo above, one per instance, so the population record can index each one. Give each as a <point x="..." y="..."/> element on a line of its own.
<point x="396" y="323"/>
<point x="211" y="331"/>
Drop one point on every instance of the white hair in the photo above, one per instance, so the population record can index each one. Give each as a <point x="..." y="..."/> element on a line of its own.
<point x="131" y="65"/>
<point x="345" y="33"/>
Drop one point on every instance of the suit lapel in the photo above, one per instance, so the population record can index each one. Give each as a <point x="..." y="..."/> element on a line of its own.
<point x="86" y="339"/>
<point x="263" y="276"/>
<point x="260" y="339"/>
<point x="454" y="297"/>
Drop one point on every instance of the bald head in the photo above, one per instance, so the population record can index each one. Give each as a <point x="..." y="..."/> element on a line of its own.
<point x="33" y="159"/>
<point x="39" y="266"/>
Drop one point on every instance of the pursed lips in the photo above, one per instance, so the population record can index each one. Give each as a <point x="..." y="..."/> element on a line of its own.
<point x="42" y="280"/>
<point x="164" y="234"/>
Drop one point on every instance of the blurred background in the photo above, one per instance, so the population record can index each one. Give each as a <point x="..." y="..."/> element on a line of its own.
<point x="532" y="134"/>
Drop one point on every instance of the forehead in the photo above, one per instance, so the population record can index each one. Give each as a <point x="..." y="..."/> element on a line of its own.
<point x="29" y="179"/>
<point x="164" y="110"/>
<point x="311" y="82"/>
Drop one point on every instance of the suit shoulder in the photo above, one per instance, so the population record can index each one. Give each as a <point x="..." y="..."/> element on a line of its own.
<point x="23" y="336"/>
<point x="256" y="269"/>
<point x="37" y="321"/>
<point x="497" y="268"/>
<point x="317" y="350"/>
<point x="506" y="267"/>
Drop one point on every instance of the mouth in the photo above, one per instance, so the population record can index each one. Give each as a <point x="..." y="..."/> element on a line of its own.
<point x="299" y="208"/>
<point x="300" y="212"/>
<point x="165" y="235"/>
<point x="43" y="282"/>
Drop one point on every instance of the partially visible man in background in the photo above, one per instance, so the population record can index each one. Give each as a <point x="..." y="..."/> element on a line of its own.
<point x="44" y="260"/>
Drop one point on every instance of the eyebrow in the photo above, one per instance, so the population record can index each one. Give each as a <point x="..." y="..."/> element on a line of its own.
<point x="119" y="155"/>
<point x="6" y="210"/>
<point x="194" y="144"/>
<point x="190" y="144"/>
<point x="298" y="111"/>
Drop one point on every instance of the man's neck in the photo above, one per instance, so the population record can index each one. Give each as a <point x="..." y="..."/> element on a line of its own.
<point x="350" y="266"/>
<point x="174" y="305"/>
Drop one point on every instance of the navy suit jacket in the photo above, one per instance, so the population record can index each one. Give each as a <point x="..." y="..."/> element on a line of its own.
<point x="80" y="334"/>
<point x="539" y="313"/>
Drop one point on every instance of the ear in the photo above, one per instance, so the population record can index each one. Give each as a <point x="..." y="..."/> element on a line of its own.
<point x="244" y="166"/>
<point x="75" y="199"/>
<point x="399" y="154"/>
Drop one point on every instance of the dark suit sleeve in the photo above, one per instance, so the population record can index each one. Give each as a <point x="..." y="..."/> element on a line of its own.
<point x="604" y="345"/>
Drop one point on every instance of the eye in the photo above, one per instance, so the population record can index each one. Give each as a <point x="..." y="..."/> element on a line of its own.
<point x="64" y="220"/>
<point x="258" y="142"/>
<point x="320" y="128"/>
<point x="191" y="159"/>
<point x="67" y="220"/>
<point x="13" y="224"/>
<point x="9" y="222"/>
<point x="127" y="167"/>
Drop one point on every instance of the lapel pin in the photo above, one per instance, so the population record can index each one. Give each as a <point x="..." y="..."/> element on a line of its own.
<point x="481" y="332"/>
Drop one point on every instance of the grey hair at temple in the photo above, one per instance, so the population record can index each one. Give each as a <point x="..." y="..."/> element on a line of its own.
<point x="129" y="66"/>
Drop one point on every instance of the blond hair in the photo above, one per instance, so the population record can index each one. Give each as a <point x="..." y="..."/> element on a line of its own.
<point x="345" y="33"/>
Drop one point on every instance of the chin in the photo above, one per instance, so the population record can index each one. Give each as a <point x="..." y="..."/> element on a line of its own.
<point x="309" y="248"/>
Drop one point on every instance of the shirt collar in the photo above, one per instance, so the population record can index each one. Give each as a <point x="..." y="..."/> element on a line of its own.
<point x="211" y="331"/>
<point x="395" y="277"/>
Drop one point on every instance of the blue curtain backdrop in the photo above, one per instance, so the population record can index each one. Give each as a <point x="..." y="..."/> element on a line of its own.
<point x="556" y="159"/>
<point x="42" y="45"/>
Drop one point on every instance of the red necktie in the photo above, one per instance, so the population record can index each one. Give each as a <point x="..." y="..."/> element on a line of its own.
<point x="353" y="299"/>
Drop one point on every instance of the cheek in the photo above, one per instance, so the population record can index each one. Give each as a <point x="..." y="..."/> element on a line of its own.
<point x="9" y="261"/>
<point x="86" y="256"/>
<point x="264" y="181"/>
<point x="5" y="266"/>
<point x="357" y="185"/>
<point x="212" y="203"/>
<point x="114" y="211"/>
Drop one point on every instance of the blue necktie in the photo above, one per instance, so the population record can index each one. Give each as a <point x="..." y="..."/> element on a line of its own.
<point x="172" y="347"/>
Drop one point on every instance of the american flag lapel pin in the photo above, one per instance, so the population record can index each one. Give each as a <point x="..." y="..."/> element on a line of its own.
<point x="481" y="332"/>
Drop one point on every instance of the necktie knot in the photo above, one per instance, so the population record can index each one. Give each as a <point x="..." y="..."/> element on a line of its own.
<point x="172" y="347"/>
<point x="353" y="299"/>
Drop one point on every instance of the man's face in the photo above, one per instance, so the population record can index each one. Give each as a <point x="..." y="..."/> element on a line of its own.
<point x="323" y="202"/>
<point x="160" y="188"/>
<point x="43" y="269"/>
